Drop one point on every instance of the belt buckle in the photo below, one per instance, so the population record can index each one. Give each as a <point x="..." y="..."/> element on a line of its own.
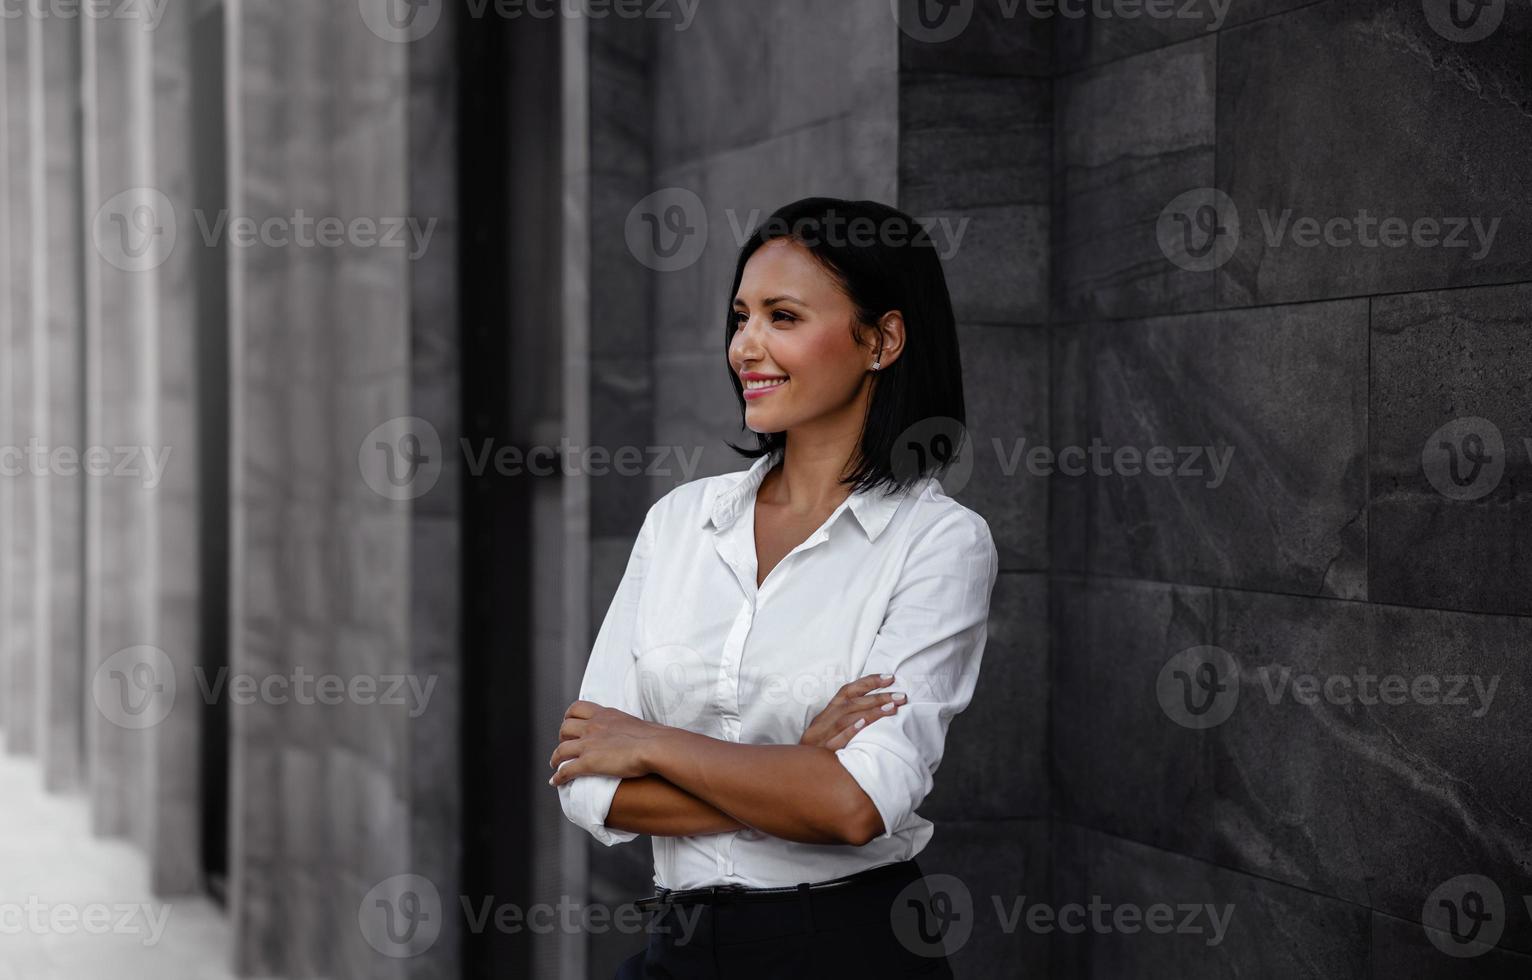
<point x="716" y="892"/>
<point x="662" y="897"/>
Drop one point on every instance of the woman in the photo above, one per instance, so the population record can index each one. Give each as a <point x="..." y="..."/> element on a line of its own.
<point x="715" y="714"/>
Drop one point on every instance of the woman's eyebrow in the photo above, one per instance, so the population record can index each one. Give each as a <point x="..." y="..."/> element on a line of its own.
<point x="772" y="301"/>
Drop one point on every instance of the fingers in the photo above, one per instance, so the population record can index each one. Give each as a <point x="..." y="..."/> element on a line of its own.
<point x="573" y="728"/>
<point x="567" y="750"/>
<point x="566" y="773"/>
<point x="853" y="721"/>
<point x="845" y="734"/>
<point x="581" y="709"/>
<point x="863" y="685"/>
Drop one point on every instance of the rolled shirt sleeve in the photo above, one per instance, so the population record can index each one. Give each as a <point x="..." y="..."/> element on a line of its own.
<point x="932" y="641"/>
<point x="610" y="681"/>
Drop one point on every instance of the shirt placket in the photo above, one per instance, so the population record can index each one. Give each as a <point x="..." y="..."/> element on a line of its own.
<point x="740" y="559"/>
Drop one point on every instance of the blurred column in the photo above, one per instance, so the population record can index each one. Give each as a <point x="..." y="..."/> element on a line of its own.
<point x="124" y="229"/>
<point x="19" y="605"/>
<point x="322" y="369"/>
<point x="54" y="61"/>
<point x="175" y="761"/>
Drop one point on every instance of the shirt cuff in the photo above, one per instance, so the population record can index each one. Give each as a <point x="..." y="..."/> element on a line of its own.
<point x="894" y="786"/>
<point x="587" y="800"/>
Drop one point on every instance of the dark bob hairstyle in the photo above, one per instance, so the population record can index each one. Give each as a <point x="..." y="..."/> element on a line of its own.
<point x="884" y="260"/>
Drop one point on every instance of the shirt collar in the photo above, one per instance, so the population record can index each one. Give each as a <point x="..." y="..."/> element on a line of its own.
<point x="873" y="508"/>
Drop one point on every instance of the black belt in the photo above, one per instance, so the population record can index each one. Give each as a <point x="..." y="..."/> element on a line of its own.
<point x="725" y="894"/>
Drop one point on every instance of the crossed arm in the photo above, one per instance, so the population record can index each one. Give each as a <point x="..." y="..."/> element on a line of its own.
<point x="679" y="783"/>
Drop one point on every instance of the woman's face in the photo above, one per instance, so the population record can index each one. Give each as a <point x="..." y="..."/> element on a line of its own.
<point x="794" y="348"/>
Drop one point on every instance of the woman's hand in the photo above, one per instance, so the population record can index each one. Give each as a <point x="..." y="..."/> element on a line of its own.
<point x="601" y="742"/>
<point x="851" y="710"/>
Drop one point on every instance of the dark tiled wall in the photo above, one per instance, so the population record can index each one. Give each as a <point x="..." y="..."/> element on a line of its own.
<point x="1337" y="383"/>
<point x="1302" y="391"/>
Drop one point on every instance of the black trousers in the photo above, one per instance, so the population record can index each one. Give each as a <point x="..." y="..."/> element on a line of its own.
<point x="876" y="926"/>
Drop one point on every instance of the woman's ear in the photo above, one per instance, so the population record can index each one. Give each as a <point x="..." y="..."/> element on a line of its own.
<point x="889" y="333"/>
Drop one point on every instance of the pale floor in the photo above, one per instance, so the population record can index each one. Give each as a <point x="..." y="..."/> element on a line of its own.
<point x="56" y="880"/>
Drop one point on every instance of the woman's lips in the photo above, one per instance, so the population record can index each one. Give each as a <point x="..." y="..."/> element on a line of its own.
<point x="753" y="393"/>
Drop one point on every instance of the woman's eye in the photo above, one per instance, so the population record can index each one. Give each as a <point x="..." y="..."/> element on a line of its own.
<point x="783" y="316"/>
<point x="739" y="321"/>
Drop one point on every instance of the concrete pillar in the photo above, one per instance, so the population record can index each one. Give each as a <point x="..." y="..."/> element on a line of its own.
<point x="321" y="356"/>
<point x="174" y="762"/>
<point x="125" y="233"/>
<point x="54" y="72"/>
<point x="21" y="599"/>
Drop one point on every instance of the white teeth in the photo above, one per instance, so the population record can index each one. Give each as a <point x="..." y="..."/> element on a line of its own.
<point x="764" y="384"/>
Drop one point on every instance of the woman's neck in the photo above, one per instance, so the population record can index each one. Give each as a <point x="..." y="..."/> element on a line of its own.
<point x="810" y="478"/>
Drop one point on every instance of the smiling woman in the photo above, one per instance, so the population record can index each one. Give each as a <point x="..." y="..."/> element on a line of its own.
<point x="781" y="793"/>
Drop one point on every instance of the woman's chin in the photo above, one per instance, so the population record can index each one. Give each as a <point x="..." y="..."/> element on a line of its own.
<point x="762" y="422"/>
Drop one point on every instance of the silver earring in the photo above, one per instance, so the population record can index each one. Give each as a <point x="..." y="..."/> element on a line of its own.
<point x="876" y="365"/>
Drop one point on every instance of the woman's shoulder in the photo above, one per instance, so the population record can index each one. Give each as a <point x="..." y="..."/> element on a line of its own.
<point x="936" y="522"/>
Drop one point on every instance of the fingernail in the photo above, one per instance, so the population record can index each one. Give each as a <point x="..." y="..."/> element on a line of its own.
<point x="550" y="780"/>
<point x="890" y="706"/>
<point x="898" y="697"/>
<point x="888" y="677"/>
<point x="859" y="723"/>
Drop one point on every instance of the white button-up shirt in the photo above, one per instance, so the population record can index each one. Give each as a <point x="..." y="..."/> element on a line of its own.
<point x="901" y="587"/>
